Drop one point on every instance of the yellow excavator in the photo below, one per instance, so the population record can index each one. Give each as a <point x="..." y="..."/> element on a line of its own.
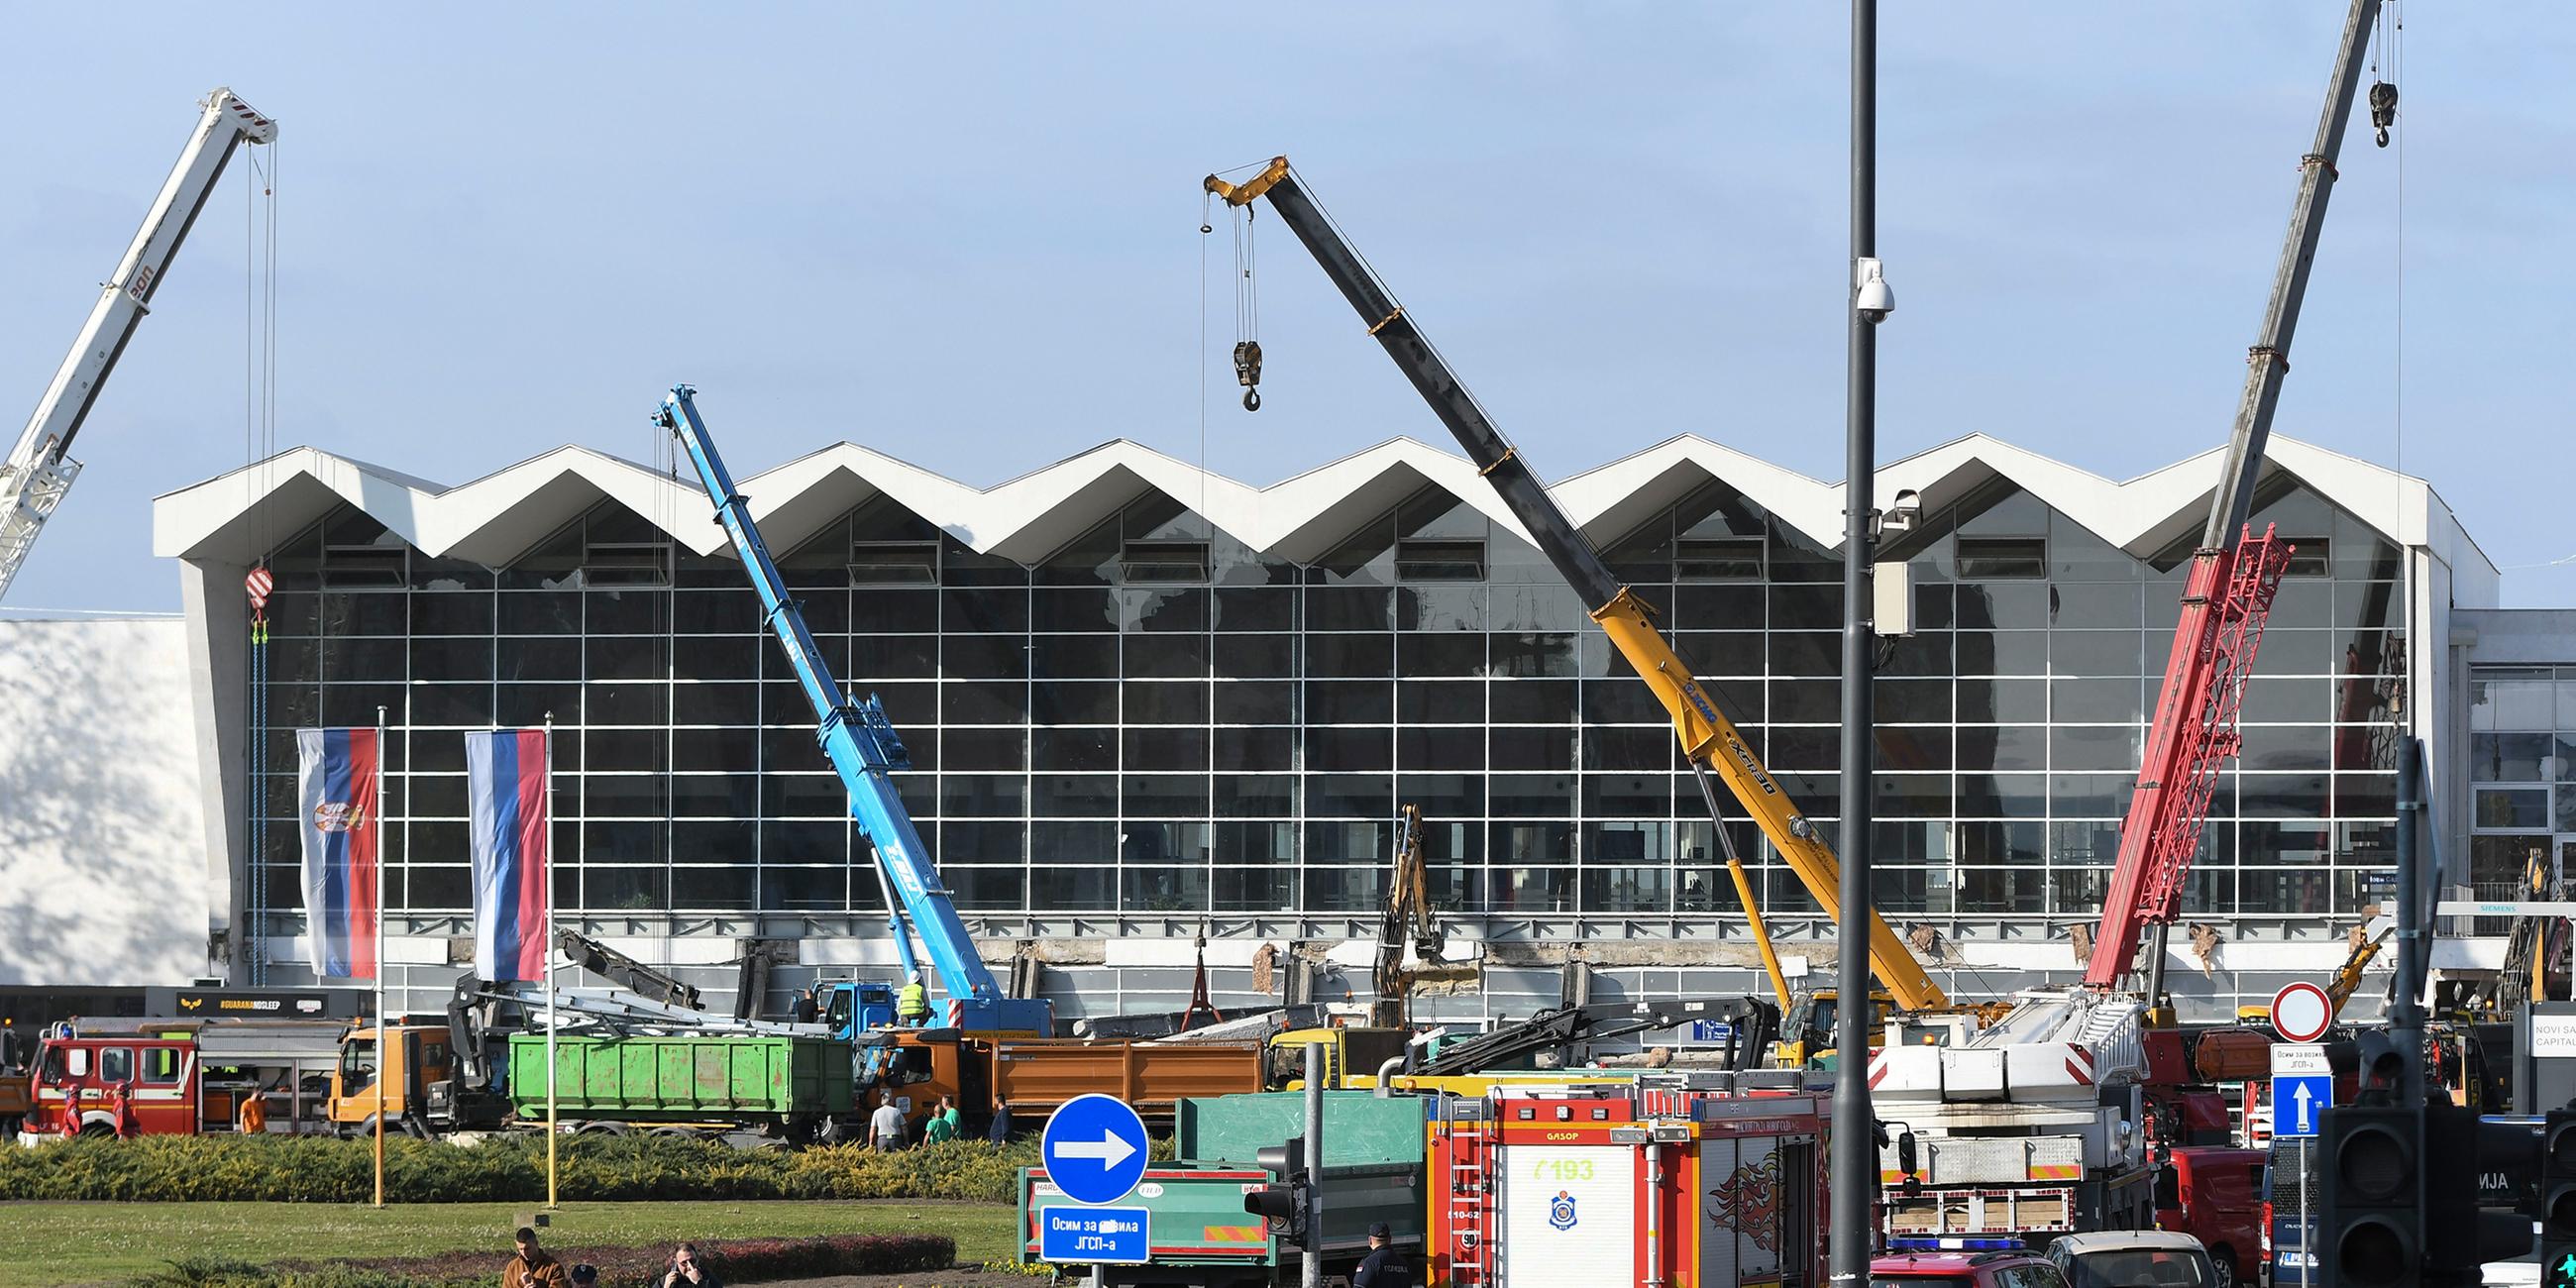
<point x="1709" y="741"/>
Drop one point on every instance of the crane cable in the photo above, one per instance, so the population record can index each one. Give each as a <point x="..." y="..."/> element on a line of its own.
<point x="259" y="449"/>
<point x="1207" y="228"/>
<point x="1247" y="310"/>
<point x="2387" y="57"/>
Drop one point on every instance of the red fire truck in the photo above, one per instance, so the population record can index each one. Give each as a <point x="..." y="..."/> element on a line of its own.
<point x="179" y="1078"/>
<point x="1557" y="1189"/>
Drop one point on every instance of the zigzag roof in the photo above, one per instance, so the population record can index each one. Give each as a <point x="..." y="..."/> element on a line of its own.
<point x="495" y="518"/>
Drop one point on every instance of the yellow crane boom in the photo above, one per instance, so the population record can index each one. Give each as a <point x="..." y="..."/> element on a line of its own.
<point x="1708" y="739"/>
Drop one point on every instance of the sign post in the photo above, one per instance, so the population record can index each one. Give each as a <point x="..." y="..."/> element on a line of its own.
<point x="1095" y="1152"/>
<point x="2302" y="1090"/>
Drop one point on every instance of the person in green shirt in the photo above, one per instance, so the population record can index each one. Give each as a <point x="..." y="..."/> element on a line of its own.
<point x="943" y="1123"/>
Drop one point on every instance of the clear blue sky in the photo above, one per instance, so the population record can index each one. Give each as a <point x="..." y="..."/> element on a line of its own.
<point x="968" y="235"/>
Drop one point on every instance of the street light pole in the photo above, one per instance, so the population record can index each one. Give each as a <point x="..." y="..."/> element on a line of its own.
<point x="1854" y="1167"/>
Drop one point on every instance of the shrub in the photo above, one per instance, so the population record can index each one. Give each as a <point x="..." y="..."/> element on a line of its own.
<point x="734" y="1260"/>
<point x="315" y="1169"/>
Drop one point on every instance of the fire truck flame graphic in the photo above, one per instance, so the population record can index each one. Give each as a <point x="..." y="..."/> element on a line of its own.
<point x="1749" y="1202"/>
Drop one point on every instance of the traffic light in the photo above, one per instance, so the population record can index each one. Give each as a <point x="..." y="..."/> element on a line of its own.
<point x="2382" y="1067"/>
<point x="2558" y="1199"/>
<point x="2370" y="1210"/>
<point x="1281" y="1205"/>
<point x="2462" y="1233"/>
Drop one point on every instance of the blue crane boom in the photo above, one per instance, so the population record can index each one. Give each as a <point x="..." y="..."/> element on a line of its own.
<point x="864" y="749"/>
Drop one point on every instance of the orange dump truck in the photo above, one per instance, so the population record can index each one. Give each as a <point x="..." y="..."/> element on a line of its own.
<point x="1024" y="1079"/>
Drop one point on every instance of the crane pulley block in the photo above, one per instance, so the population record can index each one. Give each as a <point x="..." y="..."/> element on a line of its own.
<point x="1247" y="372"/>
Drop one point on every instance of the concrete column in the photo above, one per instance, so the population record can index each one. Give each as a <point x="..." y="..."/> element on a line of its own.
<point x="218" y="615"/>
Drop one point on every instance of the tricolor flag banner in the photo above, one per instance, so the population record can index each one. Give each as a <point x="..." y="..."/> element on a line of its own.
<point x="343" y="835"/>
<point x="505" y="791"/>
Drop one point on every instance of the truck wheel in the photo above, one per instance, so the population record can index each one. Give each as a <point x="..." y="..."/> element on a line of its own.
<point x="678" y="1133"/>
<point x="603" y="1129"/>
<point x="2223" y="1259"/>
<point x="97" y="1131"/>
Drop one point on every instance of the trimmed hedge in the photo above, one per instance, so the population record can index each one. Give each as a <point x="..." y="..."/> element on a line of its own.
<point x="734" y="1260"/>
<point x="511" y="1169"/>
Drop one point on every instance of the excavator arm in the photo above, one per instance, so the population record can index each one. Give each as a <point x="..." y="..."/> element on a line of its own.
<point x="1708" y="739"/>
<point x="2347" y="978"/>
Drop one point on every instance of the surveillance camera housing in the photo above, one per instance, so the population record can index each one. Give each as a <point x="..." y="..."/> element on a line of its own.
<point x="1872" y="297"/>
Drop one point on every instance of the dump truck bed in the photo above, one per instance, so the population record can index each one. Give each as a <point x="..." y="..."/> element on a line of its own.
<point x="682" y="1078"/>
<point x="1033" y="1077"/>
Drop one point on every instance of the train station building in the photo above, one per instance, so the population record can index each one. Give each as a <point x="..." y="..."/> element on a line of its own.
<point x="1149" y="705"/>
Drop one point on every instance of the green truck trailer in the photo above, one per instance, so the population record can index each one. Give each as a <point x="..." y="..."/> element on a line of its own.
<point x="1198" y="1231"/>
<point x="788" y="1087"/>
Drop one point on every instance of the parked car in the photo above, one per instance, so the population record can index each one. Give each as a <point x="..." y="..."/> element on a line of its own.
<point x="2000" y="1269"/>
<point x="2215" y="1195"/>
<point x="2133" y="1259"/>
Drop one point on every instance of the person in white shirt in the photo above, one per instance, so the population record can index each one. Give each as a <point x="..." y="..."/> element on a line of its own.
<point x="885" y="1126"/>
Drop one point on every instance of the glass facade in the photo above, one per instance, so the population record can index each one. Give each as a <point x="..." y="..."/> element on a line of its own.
<point x="1158" y="719"/>
<point x="2522" y="776"/>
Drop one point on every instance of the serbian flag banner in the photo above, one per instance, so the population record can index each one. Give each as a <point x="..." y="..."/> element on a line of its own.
<point x="505" y="792"/>
<point x="343" y="835"/>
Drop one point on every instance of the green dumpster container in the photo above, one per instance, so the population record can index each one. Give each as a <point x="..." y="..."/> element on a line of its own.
<point x="682" y="1079"/>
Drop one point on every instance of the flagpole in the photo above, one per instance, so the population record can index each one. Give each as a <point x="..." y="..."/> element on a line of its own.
<point x="384" y="1032"/>
<point x="553" y="1126"/>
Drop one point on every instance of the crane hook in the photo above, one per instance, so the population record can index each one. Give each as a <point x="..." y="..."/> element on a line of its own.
<point x="1247" y="372"/>
<point x="2383" y="108"/>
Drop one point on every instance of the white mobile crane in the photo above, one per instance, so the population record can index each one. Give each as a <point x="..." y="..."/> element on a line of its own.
<point x="39" y="469"/>
<point x="2038" y="1124"/>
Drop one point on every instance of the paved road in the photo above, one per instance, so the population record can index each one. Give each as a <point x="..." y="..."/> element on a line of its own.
<point x="918" y="1279"/>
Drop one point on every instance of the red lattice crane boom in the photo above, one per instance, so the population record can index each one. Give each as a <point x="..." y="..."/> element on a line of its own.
<point x="2233" y="576"/>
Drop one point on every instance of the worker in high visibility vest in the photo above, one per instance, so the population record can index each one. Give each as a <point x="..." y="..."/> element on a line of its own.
<point x="912" y="1002"/>
<point x="253" y="1120"/>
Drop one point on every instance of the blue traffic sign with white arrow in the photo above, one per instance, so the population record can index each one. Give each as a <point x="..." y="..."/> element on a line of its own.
<point x="1094" y="1148"/>
<point x="2299" y="1103"/>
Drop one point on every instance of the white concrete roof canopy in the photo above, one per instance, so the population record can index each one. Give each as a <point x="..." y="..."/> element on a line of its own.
<point x="495" y="518"/>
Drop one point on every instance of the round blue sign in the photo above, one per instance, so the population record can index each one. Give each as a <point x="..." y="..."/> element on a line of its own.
<point x="1095" y="1149"/>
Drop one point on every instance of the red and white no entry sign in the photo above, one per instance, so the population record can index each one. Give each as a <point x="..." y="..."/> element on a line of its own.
<point x="2301" y="1012"/>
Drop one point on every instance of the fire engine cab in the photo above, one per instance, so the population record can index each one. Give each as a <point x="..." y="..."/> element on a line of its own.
<point x="178" y="1078"/>
<point x="115" y="1086"/>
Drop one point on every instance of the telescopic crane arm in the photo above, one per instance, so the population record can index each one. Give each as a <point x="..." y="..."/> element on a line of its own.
<point x="2228" y="593"/>
<point x="1708" y="739"/>
<point x="864" y="749"/>
<point x="39" y="469"/>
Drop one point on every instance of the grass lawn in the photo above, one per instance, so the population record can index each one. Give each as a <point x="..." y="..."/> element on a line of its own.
<point x="58" y="1243"/>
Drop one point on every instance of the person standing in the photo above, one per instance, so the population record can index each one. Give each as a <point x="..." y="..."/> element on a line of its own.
<point x="885" y="1126"/>
<point x="1386" y="1266"/>
<point x="687" y="1271"/>
<point x="912" y="1003"/>
<point x="253" y="1119"/>
<point x="805" y="1009"/>
<point x="531" y="1268"/>
<point x="941" y="1126"/>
